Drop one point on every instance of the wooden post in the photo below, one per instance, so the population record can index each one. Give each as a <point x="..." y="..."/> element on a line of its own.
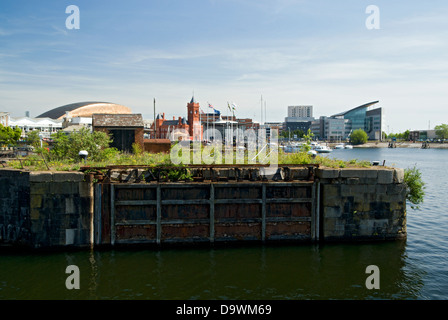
<point x="97" y="214"/>
<point x="212" y="213"/>
<point x="159" y="213"/>
<point x="263" y="212"/>
<point x="112" y="214"/>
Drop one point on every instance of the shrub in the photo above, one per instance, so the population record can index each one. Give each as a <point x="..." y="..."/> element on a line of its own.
<point x="414" y="186"/>
<point x="68" y="146"/>
<point x="358" y="136"/>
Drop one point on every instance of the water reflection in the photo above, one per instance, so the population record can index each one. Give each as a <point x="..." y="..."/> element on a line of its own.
<point x="332" y="271"/>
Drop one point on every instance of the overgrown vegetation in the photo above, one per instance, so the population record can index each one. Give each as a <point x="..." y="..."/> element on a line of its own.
<point x="414" y="187"/>
<point x="64" y="155"/>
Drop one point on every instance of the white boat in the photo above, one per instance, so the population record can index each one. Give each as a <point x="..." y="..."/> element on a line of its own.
<point x="339" y="146"/>
<point x="348" y="146"/>
<point x="322" y="149"/>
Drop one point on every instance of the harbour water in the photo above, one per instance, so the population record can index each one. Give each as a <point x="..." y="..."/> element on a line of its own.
<point x="413" y="269"/>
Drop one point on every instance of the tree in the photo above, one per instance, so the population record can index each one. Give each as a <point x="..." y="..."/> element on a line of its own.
<point x="405" y="135"/>
<point x="9" y="135"/>
<point x="358" y="136"/>
<point x="442" y="131"/>
<point x="33" y="139"/>
<point x="68" y="146"/>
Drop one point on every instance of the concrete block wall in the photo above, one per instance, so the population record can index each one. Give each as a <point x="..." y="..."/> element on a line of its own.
<point x="362" y="203"/>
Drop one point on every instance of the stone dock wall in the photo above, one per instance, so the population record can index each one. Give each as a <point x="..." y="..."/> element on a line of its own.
<point x="45" y="209"/>
<point x="69" y="209"/>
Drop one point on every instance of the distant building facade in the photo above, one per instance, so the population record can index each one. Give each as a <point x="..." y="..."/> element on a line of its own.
<point x="300" y="111"/>
<point x="45" y="126"/>
<point x="4" y="119"/>
<point x="423" y="135"/>
<point x="184" y="128"/>
<point x="340" y="126"/>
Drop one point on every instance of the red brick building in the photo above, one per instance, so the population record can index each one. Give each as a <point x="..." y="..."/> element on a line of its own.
<point x="192" y="125"/>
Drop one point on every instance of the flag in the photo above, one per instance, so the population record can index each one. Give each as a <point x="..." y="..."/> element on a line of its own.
<point x="200" y="111"/>
<point x="228" y="105"/>
<point x="217" y="111"/>
<point x="234" y="106"/>
<point x="210" y="106"/>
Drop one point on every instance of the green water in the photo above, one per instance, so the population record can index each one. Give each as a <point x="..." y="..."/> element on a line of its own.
<point x="266" y="272"/>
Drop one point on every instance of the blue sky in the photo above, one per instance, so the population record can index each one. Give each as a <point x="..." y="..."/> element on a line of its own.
<point x="289" y="51"/>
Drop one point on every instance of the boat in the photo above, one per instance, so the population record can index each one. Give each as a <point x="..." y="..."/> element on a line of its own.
<point x="339" y="146"/>
<point x="348" y="146"/>
<point x="322" y="149"/>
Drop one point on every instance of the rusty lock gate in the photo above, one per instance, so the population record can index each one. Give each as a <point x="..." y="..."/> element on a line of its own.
<point x="205" y="212"/>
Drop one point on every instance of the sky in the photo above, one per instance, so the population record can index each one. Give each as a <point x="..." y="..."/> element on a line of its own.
<point x="258" y="54"/>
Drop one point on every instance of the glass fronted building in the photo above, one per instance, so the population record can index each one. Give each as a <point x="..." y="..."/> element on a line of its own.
<point x="339" y="126"/>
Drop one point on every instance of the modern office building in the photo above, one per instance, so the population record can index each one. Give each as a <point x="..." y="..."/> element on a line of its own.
<point x="299" y="118"/>
<point x="338" y="127"/>
<point x="300" y="111"/>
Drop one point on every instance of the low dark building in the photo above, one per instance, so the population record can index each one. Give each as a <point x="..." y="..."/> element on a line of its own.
<point x="125" y="129"/>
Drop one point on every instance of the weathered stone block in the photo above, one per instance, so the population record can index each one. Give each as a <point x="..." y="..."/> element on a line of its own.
<point x="398" y="175"/>
<point x="70" y="206"/>
<point x="39" y="188"/>
<point x="332" y="212"/>
<point x="85" y="189"/>
<point x="41" y="176"/>
<point x="352" y="181"/>
<point x="36" y="201"/>
<point x="35" y="214"/>
<point x="66" y="188"/>
<point x="385" y="176"/>
<point x="381" y="189"/>
<point x="326" y="173"/>
<point x="68" y="176"/>
<point x="331" y="190"/>
<point x="359" y="173"/>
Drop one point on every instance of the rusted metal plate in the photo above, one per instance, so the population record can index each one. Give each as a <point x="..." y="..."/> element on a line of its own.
<point x="237" y="211"/>
<point x="185" y="212"/>
<point x="135" y="232"/>
<point x="288" y="210"/>
<point x="185" y="232"/>
<point x="237" y="231"/>
<point x="288" y="230"/>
